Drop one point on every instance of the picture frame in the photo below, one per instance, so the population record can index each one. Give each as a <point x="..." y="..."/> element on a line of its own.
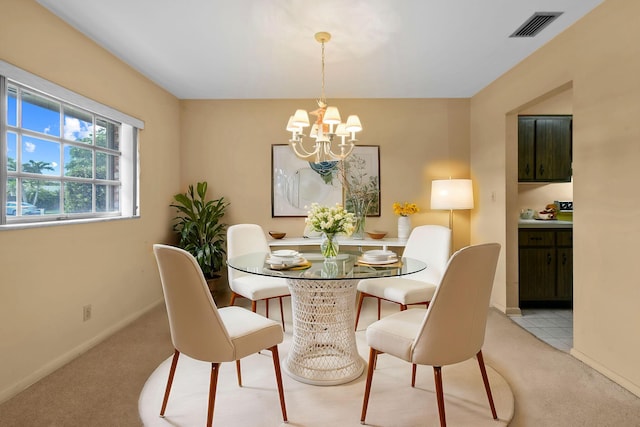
<point x="296" y="184"/>
<point x="361" y="178"/>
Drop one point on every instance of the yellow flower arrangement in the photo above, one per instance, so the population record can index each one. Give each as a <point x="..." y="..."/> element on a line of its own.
<point x="405" y="209"/>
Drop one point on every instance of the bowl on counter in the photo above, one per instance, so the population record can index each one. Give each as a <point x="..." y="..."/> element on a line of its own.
<point x="376" y="234"/>
<point x="544" y="216"/>
<point x="277" y="234"/>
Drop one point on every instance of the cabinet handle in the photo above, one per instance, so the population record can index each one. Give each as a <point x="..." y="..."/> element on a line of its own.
<point x="535" y="238"/>
<point x="526" y="169"/>
<point x="541" y="170"/>
<point x="564" y="259"/>
<point x="549" y="259"/>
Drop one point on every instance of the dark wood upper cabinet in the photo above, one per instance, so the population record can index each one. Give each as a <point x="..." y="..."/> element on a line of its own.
<point x="544" y="148"/>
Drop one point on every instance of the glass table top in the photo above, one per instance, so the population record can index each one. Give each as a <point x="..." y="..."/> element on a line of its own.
<point x="346" y="266"/>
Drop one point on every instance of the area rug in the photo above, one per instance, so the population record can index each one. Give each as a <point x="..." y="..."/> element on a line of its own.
<point x="393" y="401"/>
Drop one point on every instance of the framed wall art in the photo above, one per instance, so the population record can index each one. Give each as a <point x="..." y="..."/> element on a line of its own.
<point x="296" y="184"/>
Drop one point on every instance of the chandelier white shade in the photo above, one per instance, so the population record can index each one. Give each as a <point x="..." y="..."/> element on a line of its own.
<point x="326" y="128"/>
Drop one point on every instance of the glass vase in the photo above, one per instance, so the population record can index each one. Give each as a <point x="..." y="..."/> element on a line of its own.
<point x="329" y="246"/>
<point x="359" y="208"/>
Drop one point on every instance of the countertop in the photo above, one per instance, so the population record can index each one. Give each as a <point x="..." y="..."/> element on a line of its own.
<point x="536" y="223"/>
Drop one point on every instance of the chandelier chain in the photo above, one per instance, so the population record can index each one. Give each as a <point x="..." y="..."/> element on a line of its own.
<point x="323" y="98"/>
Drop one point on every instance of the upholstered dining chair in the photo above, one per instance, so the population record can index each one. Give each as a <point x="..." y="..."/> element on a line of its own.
<point x="243" y="239"/>
<point x="428" y="243"/>
<point x="203" y="332"/>
<point x="449" y="331"/>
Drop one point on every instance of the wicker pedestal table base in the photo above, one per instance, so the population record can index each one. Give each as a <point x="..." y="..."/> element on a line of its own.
<point x="323" y="350"/>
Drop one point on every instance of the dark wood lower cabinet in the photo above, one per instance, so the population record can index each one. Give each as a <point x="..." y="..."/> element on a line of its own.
<point x="546" y="267"/>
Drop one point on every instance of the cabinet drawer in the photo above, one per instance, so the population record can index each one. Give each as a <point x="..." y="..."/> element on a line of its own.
<point x="536" y="238"/>
<point x="564" y="238"/>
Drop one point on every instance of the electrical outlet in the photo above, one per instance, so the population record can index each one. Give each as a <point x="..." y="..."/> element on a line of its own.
<point x="86" y="313"/>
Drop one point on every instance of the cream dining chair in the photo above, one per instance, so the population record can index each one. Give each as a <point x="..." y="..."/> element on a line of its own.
<point x="428" y="243"/>
<point x="449" y="331"/>
<point x="203" y="332"/>
<point x="243" y="239"/>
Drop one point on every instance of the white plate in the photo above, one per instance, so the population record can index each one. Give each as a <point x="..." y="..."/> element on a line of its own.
<point x="280" y="266"/>
<point x="378" y="253"/>
<point x="285" y="253"/>
<point x="284" y="261"/>
<point x="383" y="262"/>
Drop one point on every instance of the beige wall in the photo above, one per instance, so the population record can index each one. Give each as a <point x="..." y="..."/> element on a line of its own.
<point x="49" y="273"/>
<point x="596" y="60"/>
<point x="228" y="143"/>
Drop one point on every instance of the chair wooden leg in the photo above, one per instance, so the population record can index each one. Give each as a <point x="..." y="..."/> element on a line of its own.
<point x="239" y="373"/>
<point x="281" y="313"/>
<point x="437" y="376"/>
<point x="360" y="298"/>
<point x="253" y="306"/>
<point x="266" y="308"/>
<point x="233" y="298"/>
<point x="276" y="366"/>
<point x="379" y="307"/>
<point x="403" y="307"/>
<point x="413" y="374"/>
<point x="213" y="385"/>
<point x="487" y="387"/>
<point x="172" y="371"/>
<point x="373" y="355"/>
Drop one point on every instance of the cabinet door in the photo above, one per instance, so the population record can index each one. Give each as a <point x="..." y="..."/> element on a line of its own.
<point x="537" y="274"/>
<point x="564" y="289"/>
<point x="553" y="149"/>
<point x="526" y="149"/>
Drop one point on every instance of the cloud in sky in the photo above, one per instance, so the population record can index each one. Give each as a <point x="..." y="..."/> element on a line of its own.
<point x="75" y="129"/>
<point x="29" y="147"/>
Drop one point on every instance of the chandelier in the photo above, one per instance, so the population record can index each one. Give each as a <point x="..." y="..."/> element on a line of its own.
<point x="326" y="128"/>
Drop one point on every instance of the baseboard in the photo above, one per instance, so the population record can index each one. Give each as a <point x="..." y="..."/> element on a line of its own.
<point x="623" y="382"/>
<point x="513" y="311"/>
<point x="67" y="357"/>
<point x="509" y="311"/>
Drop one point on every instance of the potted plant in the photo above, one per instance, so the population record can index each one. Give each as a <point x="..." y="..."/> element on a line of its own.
<point x="199" y="228"/>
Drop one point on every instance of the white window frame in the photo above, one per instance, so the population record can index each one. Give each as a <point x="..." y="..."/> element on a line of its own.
<point x="128" y="146"/>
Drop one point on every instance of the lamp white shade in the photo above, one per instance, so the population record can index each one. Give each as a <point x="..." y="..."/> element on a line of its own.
<point x="451" y="194"/>
<point x="331" y="116"/>
<point x="291" y="127"/>
<point x="341" y="130"/>
<point x="301" y="118"/>
<point x="353" y="124"/>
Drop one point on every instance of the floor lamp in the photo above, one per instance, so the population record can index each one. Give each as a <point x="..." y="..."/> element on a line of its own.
<point x="451" y="194"/>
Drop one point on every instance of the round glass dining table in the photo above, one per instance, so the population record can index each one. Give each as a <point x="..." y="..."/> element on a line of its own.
<point x="323" y="293"/>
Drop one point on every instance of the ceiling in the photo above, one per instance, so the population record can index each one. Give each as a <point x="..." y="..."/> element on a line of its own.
<point x="265" y="49"/>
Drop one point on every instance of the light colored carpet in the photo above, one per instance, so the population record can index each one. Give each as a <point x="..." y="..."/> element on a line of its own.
<point x="101" y="388"/>
<point x="392" y="403"/>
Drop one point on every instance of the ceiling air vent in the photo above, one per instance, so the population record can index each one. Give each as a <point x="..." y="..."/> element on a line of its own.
<point x="535" y="24"/>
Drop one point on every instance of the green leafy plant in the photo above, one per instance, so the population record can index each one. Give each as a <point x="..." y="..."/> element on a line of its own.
<point x="199" y="227"/>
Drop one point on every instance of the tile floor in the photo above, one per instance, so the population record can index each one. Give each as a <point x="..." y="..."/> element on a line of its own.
<point x="553" y="326"/>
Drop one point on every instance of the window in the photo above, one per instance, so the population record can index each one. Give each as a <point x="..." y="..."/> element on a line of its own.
<point x="64" y="157"/>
